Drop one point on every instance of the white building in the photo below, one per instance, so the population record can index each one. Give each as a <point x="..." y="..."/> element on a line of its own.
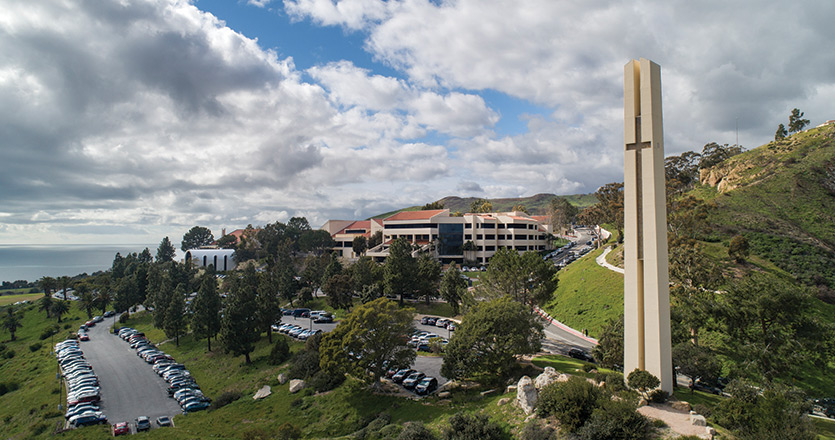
<point x="221" y="259"/>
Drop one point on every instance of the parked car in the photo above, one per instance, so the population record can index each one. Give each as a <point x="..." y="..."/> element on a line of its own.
<point x="83" y="337"/>
<point x="426" y="386"/>
<point x="88" y="418"/>
<point x="121" y="428"/>
<point x="576" y="353"/>
<point x="401" y="375"/>
<point x="301" y="313"/>
<point x="163" y="421"/>
<point x="413" y="379"/>
<point x="143" y="423"/>
<point x="324" y="318"/>
<point x="195" y="406"/>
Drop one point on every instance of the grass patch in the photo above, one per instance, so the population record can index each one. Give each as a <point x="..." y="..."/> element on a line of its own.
<point x="697" y="397"/>
<point x="825" y="429"/>
<point x="587" y="295"/>
<point x="567" y="365"/>
<point x="11" y="299"/>
<point x="433" y="308"/>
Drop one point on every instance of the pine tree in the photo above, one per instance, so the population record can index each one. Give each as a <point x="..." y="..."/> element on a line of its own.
<point x="165" y="251"/>
<point x="239" y="329"/>
<point x="268" y="310"/>
<point x="175" y="314"/>
<point x="453" y="287"/>
<point x="796" y="121"/>
<point x="205" y="322"/>
<point x="161" y="300"/>
<point x="781" y="133"/>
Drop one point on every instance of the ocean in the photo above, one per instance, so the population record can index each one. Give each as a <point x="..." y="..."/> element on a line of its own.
<point x="31" y="262"/>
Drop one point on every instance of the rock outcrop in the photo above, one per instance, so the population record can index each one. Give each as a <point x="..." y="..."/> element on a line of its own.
<point x="547" y="377"/>
<point x="296" y="385"/>
<point x="262" y="393"/>
<point x="526" y="394"/>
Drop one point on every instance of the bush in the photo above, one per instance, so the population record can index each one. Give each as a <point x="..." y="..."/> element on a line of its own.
<point x="703" y="410"/>
<point x="8" y="354"/>
<point x="304" y="365"/>
<point x="48" y="332"/>
<point x="288" y="431"/>
<point x="256" y="434"/>
<point x="659" y="396"/>
<point x="371" y="430"/>
<point x="643" y="381"/>
<point x="472" y="427"/>
<point x="588" y="367"/>
<point x="658" y="424"/>
<point x="280" y="351"/>
<point x="35" y="347"/>
<point x="615" y="419"/>
<point x="322" y="381"/>
<point x="123" y="318"/>
<point x="776" y="414"/>
<point x="571" y="402"/>
<point x="416" y="431"/>
<point x="226" y="398"/>
<point x="535" y="431"/>
<point x="8" y="387"/>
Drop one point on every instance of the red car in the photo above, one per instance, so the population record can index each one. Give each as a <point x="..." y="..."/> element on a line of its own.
<point x="121" y="428"/>
<point x="90" y="323"/>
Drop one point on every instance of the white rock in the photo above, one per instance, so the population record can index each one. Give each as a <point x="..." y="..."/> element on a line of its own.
<point x="503" y="401"/>
<point x="262" y="393"/>
<point x="698" y="420"/>
<point x="282" y="379"/>
<point x="510" y="389"/>
<point x="563" y="378"/>
<point x="547" y="377"/>
<point x="296" y="385"/>
<point x="526" y="395"/>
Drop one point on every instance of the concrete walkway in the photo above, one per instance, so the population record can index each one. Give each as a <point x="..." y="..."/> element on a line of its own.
<point x="677" y="421"/>
<point x="601" y="261"/>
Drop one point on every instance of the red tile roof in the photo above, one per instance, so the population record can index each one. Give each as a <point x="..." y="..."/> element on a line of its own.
<point x="359" y="224"/>
<point x="415" y="215"/>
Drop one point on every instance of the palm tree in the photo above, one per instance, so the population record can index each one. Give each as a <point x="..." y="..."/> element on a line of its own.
<point x="64" y="281"/>
<point x="87" y="302"/>
<point x="48" y="284"/>
<point x="59" y="308"/>
<point x="11" y="321"/>
<point x="104" y="298"/>
<point x="45" y="304"/>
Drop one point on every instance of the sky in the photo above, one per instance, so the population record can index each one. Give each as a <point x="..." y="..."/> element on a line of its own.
<point x="124" y="121"/>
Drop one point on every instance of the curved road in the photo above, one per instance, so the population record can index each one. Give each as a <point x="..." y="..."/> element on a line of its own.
<point x="129" y="387"/>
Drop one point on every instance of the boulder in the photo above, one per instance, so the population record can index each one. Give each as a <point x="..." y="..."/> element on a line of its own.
<point x="698" y="420"/>
<point x="503" y="401"/>
<point x="262" y="393"/>
<point x="510" y="389"/>
<point x="296" y="385"/>
<point x="563" y="378"/>
<point x="642" y="402"/>
<point x="547" y="377"/>
<point x="526" y="395"/>
<point x="710" y="431"/>
<point x="681" y="406"/>
<point x="444" y="395"/>
<point x="282" y="379"/>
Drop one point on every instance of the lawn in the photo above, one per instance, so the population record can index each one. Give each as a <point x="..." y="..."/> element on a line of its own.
<point x="11" y="299"/>
<point x="587" y="295"/>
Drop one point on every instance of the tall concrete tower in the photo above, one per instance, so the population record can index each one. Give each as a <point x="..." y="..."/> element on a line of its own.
<point x="646" y="277"/>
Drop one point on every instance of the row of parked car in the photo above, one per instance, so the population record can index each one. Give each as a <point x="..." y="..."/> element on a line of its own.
<point x="438" y="322"/>
<point x="413" y="380"/>
<point x="181" y="386"/>
<point x="295" y="331"/>
<point x="423" y="341"/>
<point x="83" y="392"/>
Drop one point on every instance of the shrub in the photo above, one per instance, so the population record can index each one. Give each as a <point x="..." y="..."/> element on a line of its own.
<point x="48" y="332"/>
<point x="658" y="424"/>
<point x="322" y="381"/>
<point x="304" y="365"/>
<point x="312" y="343"/>
<point x="256" y="434"/>
<point x="535" y="431"/>
<point x="615" y="419"/>
<point x="776" y="414"/>
<point x="288" y="431"/>
<point x="372" y="428"/>
<point x="35" y="347"/>
<point x="123" y="318"/>
<point x="588" y="367"/>
<point x="643" y="381"/>
<point x="703" y="410"/>
<point x="472" y="427"/>
<point x="571" y="402"/>
<point x="280" y="351"/>
<point x="659" y="396"/>
<point x="416" y="431"/>
<point x="8" y="354"/>
<point x="226" y="398"/>
<point x="8" y="387"/>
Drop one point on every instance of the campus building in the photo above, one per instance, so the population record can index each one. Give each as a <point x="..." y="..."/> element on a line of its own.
<point x="467" y="239"/>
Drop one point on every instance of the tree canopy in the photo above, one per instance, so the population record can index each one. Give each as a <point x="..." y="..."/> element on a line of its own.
<point x="196" y="237"/>
<point x="165" y="251"/>
<point x="240" y="330"/>
<point x="526" y="278"/>
<point x="796" y="121"/>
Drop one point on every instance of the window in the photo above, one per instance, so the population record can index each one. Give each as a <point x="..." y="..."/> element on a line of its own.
<point x="355" y="231"/>
<point x="501" y="225"/>
<point x="450" y="239"/>
<point x="490" y="237"/>
<point x="467" y="226"/>
<point x="488" y="225"/>
<point x="490" y="248"/>
<point x="501" y="236"/>
<point x="479" y="237"/>
<point x="521" y="248"/>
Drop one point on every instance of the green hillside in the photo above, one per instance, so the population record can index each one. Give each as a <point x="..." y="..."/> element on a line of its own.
<point x="536" y="204"/>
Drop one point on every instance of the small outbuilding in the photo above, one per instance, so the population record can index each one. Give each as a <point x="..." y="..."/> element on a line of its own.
<point x="221" y="259"/>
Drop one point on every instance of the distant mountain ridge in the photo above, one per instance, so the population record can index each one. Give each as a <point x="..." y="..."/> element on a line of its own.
<point x="536" y="204"/>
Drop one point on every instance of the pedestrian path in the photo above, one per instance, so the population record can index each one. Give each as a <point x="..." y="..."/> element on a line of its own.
<point x="601" y="261"/>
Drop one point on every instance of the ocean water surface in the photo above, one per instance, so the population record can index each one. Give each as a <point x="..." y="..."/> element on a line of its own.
<point x="31" y="262"/>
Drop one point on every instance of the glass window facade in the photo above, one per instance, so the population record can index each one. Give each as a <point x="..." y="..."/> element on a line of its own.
<point x="450" y="238"/>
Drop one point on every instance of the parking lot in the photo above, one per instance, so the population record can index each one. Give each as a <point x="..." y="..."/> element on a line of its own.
<point x="129" y="387"/>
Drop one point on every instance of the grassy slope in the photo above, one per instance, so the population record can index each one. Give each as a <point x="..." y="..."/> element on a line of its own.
<point x="587" y="295"/>
<point x="11" y="299"/>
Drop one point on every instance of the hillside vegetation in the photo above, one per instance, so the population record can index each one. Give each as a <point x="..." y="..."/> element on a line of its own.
<point x="536" y="204"/>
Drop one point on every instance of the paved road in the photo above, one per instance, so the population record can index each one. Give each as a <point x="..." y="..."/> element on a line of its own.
<point x="129" y="386"/>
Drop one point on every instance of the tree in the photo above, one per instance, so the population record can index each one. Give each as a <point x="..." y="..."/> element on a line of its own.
<point x="526" y="278"/>
<point x="314" y="270"/>
<point x="196" y="237"/>
<point x="175" y="315"/>
<point x="375" y="239"/>
<point x="161" y="299"/>
<point x="520" y="208"/>
<point x="48" y="284"/>
<point x="561" y="214"/>
<point x="433" y="206"/>
<point x="781" y="133"/>
<point x="45" y="304"/>
<point x="490" y="338"/>
<point x="11" y="321"/>
<point x="334" y="267"/>
<point x="369" y="341"/>
<point x="453" y="287"/>
<point x="269" y="310"/>
<point x="571" y="402"/>
<point x="738" y="249"/>
<point x="481" y="205"/>
<point x="796" y="121"/>
<point x="608" y="209"/>
<point x="165" y="251"/>
<point x="317" y="241"/>
<point x="400" y="269"/>
<point x="642" y="381"/>
<point x="696" y="362"/>
<point x="772" y="326"/>
<point x="65" y="282"/>
<point x="227" y="241"/>
<point x="359" y="245"/>
<point x="87" y="302"/>
<point x="695" y="277"/>
<point x="774" y="413"/>
<point x="59" y="308"/>
<point x="365" y="272"/>
<point x="205" y="320"/>
<point x="239" y="330"/>
<point x="681" y="171"/>
<point x="609" y="349"/>
<point x="472" y="427"/>
<point x="103" y="299"/>
<point x="428" y="277"/>
<point x="338" y="291"/>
